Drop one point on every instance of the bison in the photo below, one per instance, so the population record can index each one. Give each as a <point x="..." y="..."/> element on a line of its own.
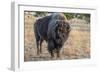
<point x="54" y="29"/>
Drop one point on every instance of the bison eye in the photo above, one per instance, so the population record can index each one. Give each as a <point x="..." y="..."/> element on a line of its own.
<point x="63" y="35"/>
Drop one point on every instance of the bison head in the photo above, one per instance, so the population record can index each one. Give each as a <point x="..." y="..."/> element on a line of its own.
<point x="62" y="32"/>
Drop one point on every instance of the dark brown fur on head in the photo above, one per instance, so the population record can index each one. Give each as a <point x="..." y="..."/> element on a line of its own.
<point x="61" y="32"/>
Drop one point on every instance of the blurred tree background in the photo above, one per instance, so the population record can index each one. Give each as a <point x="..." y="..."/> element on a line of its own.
<point x="40" y="14"/>
<point x="69" y="16"/>
<point x="78" y="16"/>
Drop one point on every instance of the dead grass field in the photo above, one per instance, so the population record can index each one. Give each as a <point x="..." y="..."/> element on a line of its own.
<point x="76" y="47"/>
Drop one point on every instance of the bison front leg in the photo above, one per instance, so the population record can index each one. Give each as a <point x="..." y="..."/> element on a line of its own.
<point x="51" y="47"/>
<point x="58" y="53"/>
<point x="52" y="54"/>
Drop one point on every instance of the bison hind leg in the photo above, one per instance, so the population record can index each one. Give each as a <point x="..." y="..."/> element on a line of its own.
<point x="58" y="53"/>
<point x="41" y="40"/>
<point x="37" y="43"/>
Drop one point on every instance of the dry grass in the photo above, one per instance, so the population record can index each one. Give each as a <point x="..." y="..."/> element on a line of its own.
<point x="76" y="47"/>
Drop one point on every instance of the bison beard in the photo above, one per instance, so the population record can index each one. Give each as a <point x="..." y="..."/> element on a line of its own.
<point x="54" y="29"/>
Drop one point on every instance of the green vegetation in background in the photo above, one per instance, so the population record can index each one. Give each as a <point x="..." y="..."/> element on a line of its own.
<point x="68" y="15"/>
<point x="78" y="15"/>
<point x="40" y="14"/>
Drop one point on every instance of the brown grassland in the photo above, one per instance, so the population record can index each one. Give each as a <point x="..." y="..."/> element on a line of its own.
<point x="76" y="47"/>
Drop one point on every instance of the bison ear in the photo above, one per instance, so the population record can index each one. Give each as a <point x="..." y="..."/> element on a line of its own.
<point x="69" y="28"/>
